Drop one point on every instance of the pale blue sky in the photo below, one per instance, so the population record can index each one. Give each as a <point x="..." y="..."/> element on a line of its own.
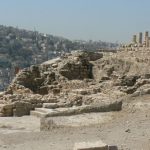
<point x="107" y="20"/>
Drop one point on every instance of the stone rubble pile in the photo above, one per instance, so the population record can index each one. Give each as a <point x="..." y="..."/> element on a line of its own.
<point x="76" y="79"/>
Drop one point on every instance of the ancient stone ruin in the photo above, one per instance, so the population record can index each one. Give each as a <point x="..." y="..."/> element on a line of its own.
<point x="77" y="83"/>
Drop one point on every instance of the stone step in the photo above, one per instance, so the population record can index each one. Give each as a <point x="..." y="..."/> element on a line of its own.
<point x="41" y="112"/>
<point x="114" y="106"/>
<point x="44" y="110"/>
<point x="37" y="114"/>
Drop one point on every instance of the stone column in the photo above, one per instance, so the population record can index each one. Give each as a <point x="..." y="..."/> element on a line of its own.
<point x="134" y="40"/>
<point x="140" y="40"/>
<point x="146" y="39"/>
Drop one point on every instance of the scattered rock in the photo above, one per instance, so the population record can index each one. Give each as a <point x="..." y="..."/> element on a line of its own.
<point x="128" y="131"/>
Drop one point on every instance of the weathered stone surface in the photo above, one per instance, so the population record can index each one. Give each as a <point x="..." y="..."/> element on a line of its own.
<point x="105" y="78"/>
<point x="43" y="90"/>
<point x="87" y="91"/>
<point x="95" y="56"/>
<point x="54" y="65"/>
<point x="81" y="91"/>
<point x="6" y="110"/>
<point x="49" y="99"/>
<point x="80" y="120"/>
<point x="91" y="56"/>
<point x="129" y="80"/>
<point x="50" y="105"/>
<point x="129" y="90"/>
<point x="72" y="71"/>
<point x="142" y="82"/>
<point x="78" y="67"/>
<point x="109" y="70"/>
<point x="115" y="106"/>
<point x="75" y="100"/>
<point x="99" y="145"/>
<point x="78" y="79"/>
<point x="21" y="108"/>
<point x="2" y="94"/>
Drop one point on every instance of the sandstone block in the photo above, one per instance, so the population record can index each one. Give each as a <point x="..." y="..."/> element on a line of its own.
<point x="99" y="145"/>
<point x="21" y="108"/>
<point x="6" y="110"/>
<point x="54" y="65"/>
<point x="50" y="105"/>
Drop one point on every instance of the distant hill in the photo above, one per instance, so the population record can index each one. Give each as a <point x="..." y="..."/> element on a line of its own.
<point x="20" y="48"/>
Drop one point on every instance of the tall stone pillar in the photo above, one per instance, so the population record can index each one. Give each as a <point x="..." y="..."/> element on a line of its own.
<point x="146" y="39"/>
<point x="134" y="40"/>
<point x="140" y="40"/>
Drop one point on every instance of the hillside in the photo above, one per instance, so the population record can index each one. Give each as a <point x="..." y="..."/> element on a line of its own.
<point x="20" y="48"/>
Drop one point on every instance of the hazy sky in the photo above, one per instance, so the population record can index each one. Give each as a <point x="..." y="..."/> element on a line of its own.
<point x="107" y="20"/>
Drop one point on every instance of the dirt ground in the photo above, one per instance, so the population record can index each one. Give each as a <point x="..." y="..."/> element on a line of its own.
<point x="129" y="129"/>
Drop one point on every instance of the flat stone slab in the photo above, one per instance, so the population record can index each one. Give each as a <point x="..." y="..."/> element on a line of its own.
<point x="86" y="119"/>
<point x="114" y="106"/>
<point x="99" y="145"/>
<point x="50" y="105"/>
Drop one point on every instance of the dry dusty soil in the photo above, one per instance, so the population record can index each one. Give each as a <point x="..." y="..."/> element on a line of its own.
<point x="129" y="129"/>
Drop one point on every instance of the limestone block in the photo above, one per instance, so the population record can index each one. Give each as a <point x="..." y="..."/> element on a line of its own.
<point x="99" y="145"/>
<point x="47" y="99"/>
<point x="6" y="110"/>
<point x="54" y="65"/>
<point x="21" y="108"/>
<point x="115" y="106"/>
<point x="50" y="105"/>
<point x="80" y="91"/>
